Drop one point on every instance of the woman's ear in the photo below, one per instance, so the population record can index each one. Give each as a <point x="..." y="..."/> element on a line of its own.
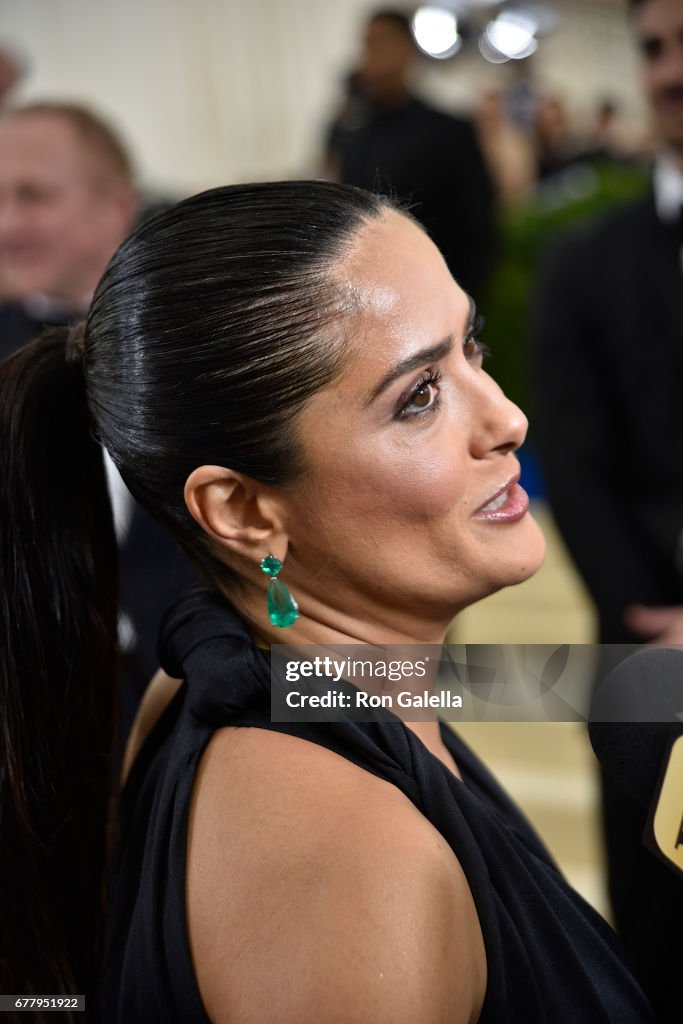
<point x="236" y="512"/>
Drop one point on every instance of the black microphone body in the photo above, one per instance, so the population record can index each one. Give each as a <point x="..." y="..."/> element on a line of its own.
<point x="636" y="731"/>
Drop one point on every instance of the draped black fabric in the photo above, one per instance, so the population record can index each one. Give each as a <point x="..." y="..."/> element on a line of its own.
<point x="551" y="958"/>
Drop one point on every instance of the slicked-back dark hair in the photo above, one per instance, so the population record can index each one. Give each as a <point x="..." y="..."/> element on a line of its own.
<point x="213" y="325"/>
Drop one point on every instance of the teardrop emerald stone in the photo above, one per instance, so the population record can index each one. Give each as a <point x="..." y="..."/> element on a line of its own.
<point x="282" y="608"/>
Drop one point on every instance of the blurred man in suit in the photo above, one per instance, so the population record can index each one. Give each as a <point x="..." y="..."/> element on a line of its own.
<point x="396" y="144"/>
<point x="67" y="200"/>
<point x="609" y="380"/>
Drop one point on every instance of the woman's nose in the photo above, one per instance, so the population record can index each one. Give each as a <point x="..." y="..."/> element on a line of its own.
<point x="501" y="426"/>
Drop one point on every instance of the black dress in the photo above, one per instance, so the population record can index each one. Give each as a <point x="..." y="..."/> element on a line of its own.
<point x="551" y="958"/>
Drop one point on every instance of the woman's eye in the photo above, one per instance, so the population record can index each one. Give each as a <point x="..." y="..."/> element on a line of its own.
<point x="424" y="397"/>
<point x="471" y="347"/>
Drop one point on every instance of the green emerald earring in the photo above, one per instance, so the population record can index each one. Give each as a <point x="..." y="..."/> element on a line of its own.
<point x="282" y="608"/>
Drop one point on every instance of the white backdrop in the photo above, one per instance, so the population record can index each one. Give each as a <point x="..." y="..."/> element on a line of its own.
<point x="213" y="91"/>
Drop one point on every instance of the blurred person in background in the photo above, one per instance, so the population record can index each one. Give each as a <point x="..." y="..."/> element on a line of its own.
<point x="605" y="139"/>
<point x="507" y="150"/>
<point x="351" y="114"/>
<point x="555" y="144"/>
<point x="11" y="72"/>
<point x="609" y="380"/>
<point x="521" y="95"/>
<point x="67" y="200"/>
<point x="400" y="146"/>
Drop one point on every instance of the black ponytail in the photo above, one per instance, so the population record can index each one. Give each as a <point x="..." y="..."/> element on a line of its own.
<point x="58" y="600"/>
<point x="212" y="327"/>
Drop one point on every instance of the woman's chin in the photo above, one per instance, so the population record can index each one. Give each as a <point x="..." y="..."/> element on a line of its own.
<point x="521" y="558"/>
<point x="529" y="554"/>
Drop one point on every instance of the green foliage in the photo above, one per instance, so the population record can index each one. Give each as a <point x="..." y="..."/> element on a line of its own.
<point x="582" y="192"/>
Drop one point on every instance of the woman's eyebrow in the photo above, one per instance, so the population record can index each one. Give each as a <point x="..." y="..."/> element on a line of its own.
<point x="425" y="355"/>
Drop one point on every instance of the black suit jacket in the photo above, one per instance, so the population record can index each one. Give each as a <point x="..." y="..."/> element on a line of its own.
<point x="608" y="368"/>
<point x="17" y="328"/>
<point x="432" y="161"/>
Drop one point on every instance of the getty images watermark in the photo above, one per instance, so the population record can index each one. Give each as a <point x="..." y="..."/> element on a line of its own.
<point x="455" y="682"/>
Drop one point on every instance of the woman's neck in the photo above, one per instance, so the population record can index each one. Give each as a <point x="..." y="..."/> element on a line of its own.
<point x="324" y="624"/>
<point x="330" y="629"/>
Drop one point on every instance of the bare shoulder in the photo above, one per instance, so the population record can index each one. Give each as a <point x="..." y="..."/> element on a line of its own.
<point x="315" y="888"/>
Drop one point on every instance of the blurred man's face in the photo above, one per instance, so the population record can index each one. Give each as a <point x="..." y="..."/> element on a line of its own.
<point x="388" y="54"/>
<point x="659" y="24"/>
<point x="62" y="212"/>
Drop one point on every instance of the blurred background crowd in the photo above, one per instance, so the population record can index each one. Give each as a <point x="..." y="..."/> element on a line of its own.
<point x="240" y="92"/>
<point x="503" y="126"/>
<point x="500" y="124"/>
<point x="230" y="92"/>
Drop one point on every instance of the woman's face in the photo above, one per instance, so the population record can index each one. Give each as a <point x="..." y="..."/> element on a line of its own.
<point x="392" y="520"/>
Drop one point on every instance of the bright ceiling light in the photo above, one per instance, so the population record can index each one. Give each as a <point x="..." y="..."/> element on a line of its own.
<point x="489" y="52"/>
<point x="436" y="32"/>
<point x="512" y="35"/>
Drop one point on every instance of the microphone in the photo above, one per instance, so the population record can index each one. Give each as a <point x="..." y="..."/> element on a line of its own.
<point x="636" y="731"/>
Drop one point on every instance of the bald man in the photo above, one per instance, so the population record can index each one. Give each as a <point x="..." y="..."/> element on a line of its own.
<point x="67" y="200"/>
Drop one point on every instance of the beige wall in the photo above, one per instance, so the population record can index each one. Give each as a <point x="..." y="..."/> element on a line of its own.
<point x="226" y="90"/>
<point x="590" y="54"/>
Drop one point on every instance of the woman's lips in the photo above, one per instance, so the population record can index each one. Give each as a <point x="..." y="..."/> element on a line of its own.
<point x="508" y="506"/>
